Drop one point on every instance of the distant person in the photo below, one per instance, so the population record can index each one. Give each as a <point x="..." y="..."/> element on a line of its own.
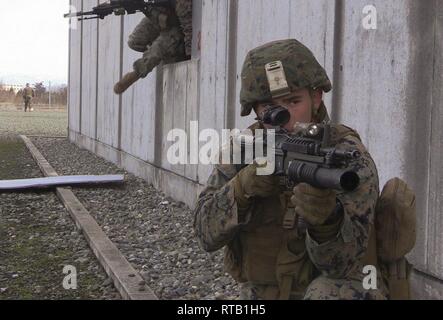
<point x="28" y="94"/>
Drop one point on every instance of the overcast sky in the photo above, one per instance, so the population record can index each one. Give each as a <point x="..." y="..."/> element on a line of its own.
<point x="34" y="39"/>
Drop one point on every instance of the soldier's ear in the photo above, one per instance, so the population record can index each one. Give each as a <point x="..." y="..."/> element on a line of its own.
<point x="317" y="98"/>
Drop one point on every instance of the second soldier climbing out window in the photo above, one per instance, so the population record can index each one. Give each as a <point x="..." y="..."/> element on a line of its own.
<point x="163" y="35"/>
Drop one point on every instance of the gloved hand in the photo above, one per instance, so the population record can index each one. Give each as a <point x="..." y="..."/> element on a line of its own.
<point x="247" y="185"/>
<point x="313" y="204"/>
<point x="128" y="80"/>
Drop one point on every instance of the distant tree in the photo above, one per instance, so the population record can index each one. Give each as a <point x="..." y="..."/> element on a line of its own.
<point x="19" y="96"/>
<point x="40" y="89"/>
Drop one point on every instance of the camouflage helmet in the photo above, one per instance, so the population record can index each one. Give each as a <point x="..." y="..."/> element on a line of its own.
<point x="301" y="68"/>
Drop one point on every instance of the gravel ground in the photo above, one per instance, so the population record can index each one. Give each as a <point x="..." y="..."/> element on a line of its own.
<point x="153" y="232"/>
<point x="38" y="238"/>
<point x="33" y="123"/>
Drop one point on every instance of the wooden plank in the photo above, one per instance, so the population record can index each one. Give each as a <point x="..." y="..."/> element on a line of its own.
<point x="248" y="37"/>
<point x="213" y="57"/>
<point x="138" y="103"/>
<point x="108" y="74"/>
<point x="272" y="12"/>
<point x="47" y="137"/>
<point x="192" y="104"/>
<point x="196" y="26"/>
<point x="221" y="51"/>
<point x="373" y="60"/>
<point x="168" y="111"/>
<point x="126" y="279"/>
<point x="318" y="36"/>
<point x="59" y="181"/>
<point x="74" y="99"/>
<point x="89" y="73"/>
<point x="179" y="107"/>
<point x="129" y="137"/>
<point x="435" y="194"/>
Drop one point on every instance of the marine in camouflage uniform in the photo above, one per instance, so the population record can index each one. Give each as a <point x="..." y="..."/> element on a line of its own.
<point x="28" y="94"/>
<point x="163" y="35"/>
<point x="269" y="257"/>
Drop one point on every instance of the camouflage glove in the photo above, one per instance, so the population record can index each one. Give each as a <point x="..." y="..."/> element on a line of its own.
<point x="128" y="80"/>
<point x="247" y="185"/>
<point x="314" y="205"/>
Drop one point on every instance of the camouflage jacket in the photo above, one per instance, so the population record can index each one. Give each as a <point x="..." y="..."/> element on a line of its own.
<point x="183" y="8"/>
<point x="28" y="92"/>
<point x="218" y="220"/>
<point x="160" y="19"/>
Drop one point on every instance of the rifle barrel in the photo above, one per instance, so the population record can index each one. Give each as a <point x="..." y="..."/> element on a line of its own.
<point x="77" y="14"/>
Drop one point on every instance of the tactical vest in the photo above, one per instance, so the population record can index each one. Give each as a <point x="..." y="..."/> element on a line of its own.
<point x="271" y="249"/>
<point x="28" y="92"/>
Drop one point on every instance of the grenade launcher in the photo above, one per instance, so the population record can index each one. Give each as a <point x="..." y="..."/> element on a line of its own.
<point x="307" y="156"/>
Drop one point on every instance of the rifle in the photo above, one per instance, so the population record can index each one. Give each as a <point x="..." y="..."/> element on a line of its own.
<point x="307" y="155"/>
<point x="120" y="7"/>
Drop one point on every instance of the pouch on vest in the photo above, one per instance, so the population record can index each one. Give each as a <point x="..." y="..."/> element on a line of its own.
<point x="396" y="234"/>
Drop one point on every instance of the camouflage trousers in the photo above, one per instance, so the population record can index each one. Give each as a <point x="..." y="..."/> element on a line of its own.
<point x="27" y="101"/>
<point x="184" y="14"/>
<point x="321" y="288"/>
<point x="158" y="44"/>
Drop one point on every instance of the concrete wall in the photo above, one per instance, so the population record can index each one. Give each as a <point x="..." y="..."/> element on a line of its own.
<point x="387" y="85"/>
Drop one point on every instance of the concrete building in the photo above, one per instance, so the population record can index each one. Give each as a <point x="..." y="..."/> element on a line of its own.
<point x="385" y="61"/>
<point x="15" y="87"/>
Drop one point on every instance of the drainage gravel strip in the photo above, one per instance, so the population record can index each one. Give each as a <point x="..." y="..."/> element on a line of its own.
<point x="152" y="231"/>
<point x="38" y="240"/>
<point x="127" y="281"/>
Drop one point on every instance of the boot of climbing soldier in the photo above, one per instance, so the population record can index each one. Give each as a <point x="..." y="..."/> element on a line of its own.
<point x="128" y="80"/>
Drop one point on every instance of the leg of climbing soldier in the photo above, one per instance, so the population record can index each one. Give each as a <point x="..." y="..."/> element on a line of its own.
<point x="168" y="47"/>
<point x="145" y="33"/>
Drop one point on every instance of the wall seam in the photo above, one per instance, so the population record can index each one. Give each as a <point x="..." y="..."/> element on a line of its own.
<point x="428" y="202"/>
<point x="158" y="116"/>
<point x="96" y="77"/>
<point x="231" y="84"/>
<point x="337" y="57"/>
<point x="69" y="72"/>
<point x="81" y="75"/>
<point x="120" y="97"/>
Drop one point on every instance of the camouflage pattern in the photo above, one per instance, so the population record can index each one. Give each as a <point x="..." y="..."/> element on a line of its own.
<point x="28" y="93"/>
<point x="306" y="73"/>
<point x="324" y="288"/>
<point x="183" y="8"/>
<point x="335" y="251"/>
<point x="314" y="205"/>
<point x="160" y="38"/>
